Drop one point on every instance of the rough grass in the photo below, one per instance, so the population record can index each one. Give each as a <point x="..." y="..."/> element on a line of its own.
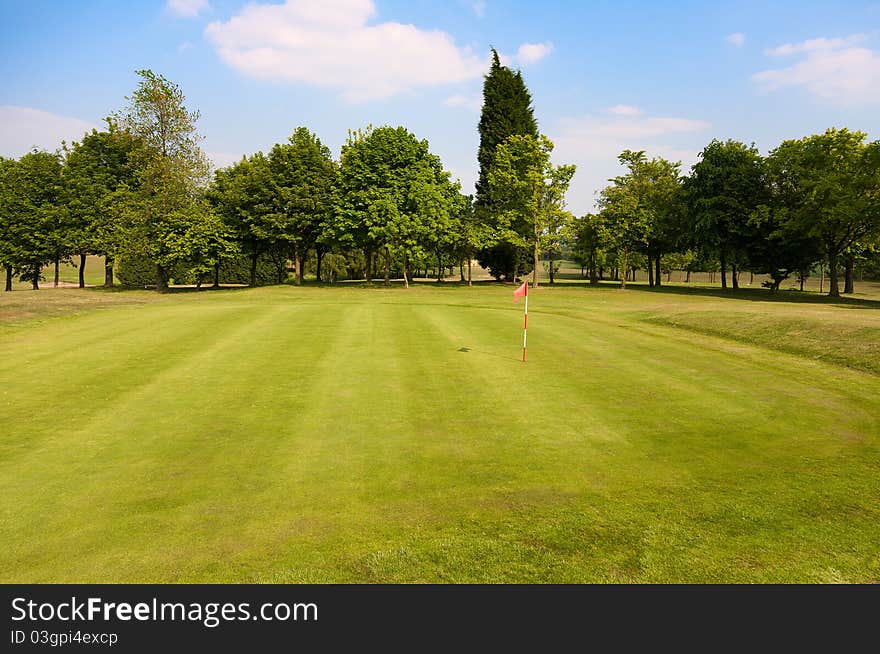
<point x="352" y="434"/>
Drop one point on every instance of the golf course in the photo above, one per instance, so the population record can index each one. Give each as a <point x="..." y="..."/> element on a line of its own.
<point x="352" y="433"/>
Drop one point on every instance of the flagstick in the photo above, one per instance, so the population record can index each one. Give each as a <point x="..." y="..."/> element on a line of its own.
<point x="525" y="323"/>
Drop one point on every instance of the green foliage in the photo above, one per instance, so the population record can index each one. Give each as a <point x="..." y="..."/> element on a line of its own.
<point x="507" y="111"/>
<point x="135" y="270"/>
<point x="171" y="169"/>
<point x="302" y="175"/>
<point x="391" y="195"/>
<point x="100" y="174"/>
<point x="246" y="198"/>
<point x="529" y="192"/>
<point x="831" y="185"/>
<point x="638" y="207"/>
<point x="34" y="214"/>
<point x="723" y="190"/>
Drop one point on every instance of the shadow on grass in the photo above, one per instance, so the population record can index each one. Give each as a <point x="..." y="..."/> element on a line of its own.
<point x="747" y="294"/>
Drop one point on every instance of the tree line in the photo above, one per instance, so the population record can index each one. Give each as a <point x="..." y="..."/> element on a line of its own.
<point x="141" y="193"/>
<point x="810" y="202"/>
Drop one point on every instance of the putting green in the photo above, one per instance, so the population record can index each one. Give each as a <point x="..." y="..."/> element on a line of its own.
<point x="349" y="434"/>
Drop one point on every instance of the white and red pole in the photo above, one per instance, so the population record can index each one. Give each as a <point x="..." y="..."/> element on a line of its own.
<point x="525" y="322"/>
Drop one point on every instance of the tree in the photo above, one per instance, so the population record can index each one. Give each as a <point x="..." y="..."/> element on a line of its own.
<point x="507" y="111"/>
<point x="724" y="188"/>
<point x="638" y="208"/>
<point x="99" y="174"/>
<point x="9" y="215"/>
<point x="391" y="195"/>
<point x="833" y="181"/>
<point x="303" y="173"/>
<point x="35" y="212"/>
<point x="171" y="168"/>
<point x="583" y="236"/>
<point x="197" y="241"/>
<point x="528" y="189"/>
<point x="778" y="248"/>
<point x="245" y="198"/>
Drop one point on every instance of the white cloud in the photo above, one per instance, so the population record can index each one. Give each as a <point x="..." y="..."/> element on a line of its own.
<point x="593" y="142"/>
<point x="183" y="47"/>
<point x="479" y="7"/>
<point x="328" y="43"/>
<point x="837" y="70"/>
<point x="472" y="102"/>
<point x="624" y="110"/>
<point x="529" y="53"/>
<point x="23" y="128"/>
<point x="223" y="159"/>
<point x="737" y="38"/>
<point x="187" y="8"/>
<point x="813" y="45"/>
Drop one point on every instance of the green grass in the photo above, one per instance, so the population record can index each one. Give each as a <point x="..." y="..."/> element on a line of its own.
<point x="347" y="434"/>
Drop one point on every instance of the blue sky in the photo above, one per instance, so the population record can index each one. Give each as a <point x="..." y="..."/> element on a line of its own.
<point x="665" y="77"/>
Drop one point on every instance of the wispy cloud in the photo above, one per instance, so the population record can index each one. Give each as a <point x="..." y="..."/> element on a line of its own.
<point x="23" y="128"/>
<point x="737" y="38"/>
<point x="328" y="43"/>
<point x="592" y="142"/>
<point x="529" y="53"/>
<point x="479" y="7"/>
<point x="187" y="8"/>
<point x="837" y="70"/>
<point x="473" y="102"/>
<point x="624" y="110"/>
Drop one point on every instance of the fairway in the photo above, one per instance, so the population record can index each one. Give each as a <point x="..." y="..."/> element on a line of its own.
<point x="353" y="434"/>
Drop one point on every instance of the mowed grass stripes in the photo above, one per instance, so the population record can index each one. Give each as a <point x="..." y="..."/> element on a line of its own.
<point x="364" y="434"/>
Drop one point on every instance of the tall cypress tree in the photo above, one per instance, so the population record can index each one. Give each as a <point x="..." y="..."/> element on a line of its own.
<point x="507" y="110"/>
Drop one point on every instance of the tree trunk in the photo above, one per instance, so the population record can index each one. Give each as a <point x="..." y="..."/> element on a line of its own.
<point x="57" y="266"/>
<point x="833" y="288"/>
<point x="319" y="255"/>
<point x="439" y="268"/>
<point x="687" y="279"/>
<point x="734" y="275"/>
<point x="369" y="273"/>
<point x="552" y="275"/>
<point x="802" y="280"/>
<point x="849" y="266"/>
<point x="723" y="269"/>
<point x="35" y="282"/>
<point x="470" y="282"/>
<point x="657" y="280"/>
<point x="217" y="275"/>
<point x="82" y="270"/>
<point x="161" y="279"/>
<point x="254" y="257"/>
<point x="821" y="276"/>
<point x="8" y="278"/>
<point x="108" y="272"/>
<point x="537" y="254"/>
<point x="461" y="271"/>
<point x="752" y="279"/>
<point x="405" y="280"/>
<point x="199" y="282"/>
<point x="650" y="271"/>
<point x="297" y="266"/>
<point x="387" y="267"/>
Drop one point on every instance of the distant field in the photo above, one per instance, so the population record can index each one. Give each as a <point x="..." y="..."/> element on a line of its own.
<point x="69" y="274"/>
<point x="353" y="434"/>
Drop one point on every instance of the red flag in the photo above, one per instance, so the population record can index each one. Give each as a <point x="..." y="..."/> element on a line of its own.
<point x="522" y="291"/>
